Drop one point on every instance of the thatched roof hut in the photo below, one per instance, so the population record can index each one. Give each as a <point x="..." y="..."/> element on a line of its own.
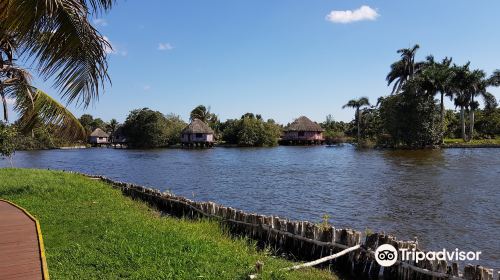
<point x="197" y="132"/>
<point x="303" y="131"/>
<point x="197" y="126"/>
<point x="99" y="133"/>
<point x="303" y="123"/>
<point x="98" y="136"/>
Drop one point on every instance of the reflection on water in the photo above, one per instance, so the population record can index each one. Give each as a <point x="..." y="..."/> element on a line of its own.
<point x="447" y="198"/>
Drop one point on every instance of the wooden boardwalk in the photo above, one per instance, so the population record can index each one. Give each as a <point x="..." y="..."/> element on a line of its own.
<point x="21" y="245"/>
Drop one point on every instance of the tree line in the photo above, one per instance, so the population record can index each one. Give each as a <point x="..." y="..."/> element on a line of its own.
<point x="146" y="128"/>
<point x="412" y="117"/>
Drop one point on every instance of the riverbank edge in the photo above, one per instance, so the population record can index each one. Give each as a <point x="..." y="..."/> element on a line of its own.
<point x="471" y="146"/>
<point x="231" y="146"/>
<point x="302" y="239"/>
<point x="62" y="201"/>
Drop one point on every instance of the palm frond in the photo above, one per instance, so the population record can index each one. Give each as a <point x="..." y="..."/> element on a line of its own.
<point x="48" y="112"/>
<point x="351" y="104"/>
<point x="99" y="5"/>
<point x="357" y="103"/>
<point x="57" y="35"/>
<point x="490" y="102"/>
<point x="363" y="101"/>
<point x="17" y="86"/>
<point x="494" y="79"/>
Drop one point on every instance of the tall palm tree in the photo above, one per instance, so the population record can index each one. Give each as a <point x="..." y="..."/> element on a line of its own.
<point x="357" y="104"/>
<point x="462" y="100"/>
<point x="461" y="87"/>
<point x="57" y="38"/>
<point x="467" y="85"/>
<point x="478" y="88"/>
<point x="436" y="78"/>
<point x="403" y="69"/>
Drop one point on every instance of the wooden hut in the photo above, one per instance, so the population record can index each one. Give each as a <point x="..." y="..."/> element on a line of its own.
<point x="98" y="137"/>
<point x="197" y="134"/>
<point x="303" y="131"/>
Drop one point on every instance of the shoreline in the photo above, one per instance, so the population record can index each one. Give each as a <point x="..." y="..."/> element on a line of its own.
<point x="262" y="229"/>
<point x="97" y="223"/>
<point x="226" y="146"/>
<point x="462" y="146"/>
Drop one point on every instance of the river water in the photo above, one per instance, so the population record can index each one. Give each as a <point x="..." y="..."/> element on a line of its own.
<point x="447" y="198"/>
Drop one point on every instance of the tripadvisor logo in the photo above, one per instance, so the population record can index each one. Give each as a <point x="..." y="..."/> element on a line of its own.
<point x="387" y="255"/>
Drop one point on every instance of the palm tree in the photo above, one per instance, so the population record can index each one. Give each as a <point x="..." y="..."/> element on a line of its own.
<point x="461" y="87"/>
<point x="462" y="100"/>
<point x="478" y="88"/>
<point x="436" y="78"/>
<point x="203" y="113"/>
<point x="112" y="126"/>
<point x="357" y="103"/>
<point x="403" y="69"/>
<point x="467" y="85"/>
<point x="58" y="39"/>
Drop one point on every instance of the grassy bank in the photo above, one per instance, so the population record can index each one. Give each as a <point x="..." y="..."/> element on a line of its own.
<point x="459" y="142"/>
<point x="91" y="231"/>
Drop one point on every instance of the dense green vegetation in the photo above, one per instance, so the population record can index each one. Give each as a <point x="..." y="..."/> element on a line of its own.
<point x="39" y="138"/>
<point x="146" y="128"/>
<point x="337" y="132"/>
<point x="411" y="120"/>
<point x="411" y="117"/>
<point x="91" y="231"/>
<point x="7" y="142"/>
<point x="90" y="123"/>
<point x="251" y="130"/>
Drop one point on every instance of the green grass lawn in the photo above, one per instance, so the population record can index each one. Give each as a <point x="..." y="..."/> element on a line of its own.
<point x="474" y="142"/>
<point x="91" y="231"/>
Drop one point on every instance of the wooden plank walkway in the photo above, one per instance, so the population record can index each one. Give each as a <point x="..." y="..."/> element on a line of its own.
<point x="21" y="245"/>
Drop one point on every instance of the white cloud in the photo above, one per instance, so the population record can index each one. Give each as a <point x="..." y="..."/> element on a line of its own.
<point x="112" y="49"/>
<point x="362" y="13"/>
<point x="146" y="87"/>
<point x="165" y="47"/>
<point x="100" y="22"/>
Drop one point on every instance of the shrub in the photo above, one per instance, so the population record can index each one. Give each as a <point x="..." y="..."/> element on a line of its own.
<point x="411" y="120"/>
<point x="145" y="128"/>
<point x="251" y="131"/>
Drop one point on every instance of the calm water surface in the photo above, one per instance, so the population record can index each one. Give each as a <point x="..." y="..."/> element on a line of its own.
<point x="447" y="198"/>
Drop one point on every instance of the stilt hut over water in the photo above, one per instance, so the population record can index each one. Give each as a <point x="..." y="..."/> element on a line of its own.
<point x="303" y="131"/>
<point x="98" y="137"/>
<point x="197" y="134"/>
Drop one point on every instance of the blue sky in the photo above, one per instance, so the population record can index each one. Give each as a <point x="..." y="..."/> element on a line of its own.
<point x="279" y="58"/>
